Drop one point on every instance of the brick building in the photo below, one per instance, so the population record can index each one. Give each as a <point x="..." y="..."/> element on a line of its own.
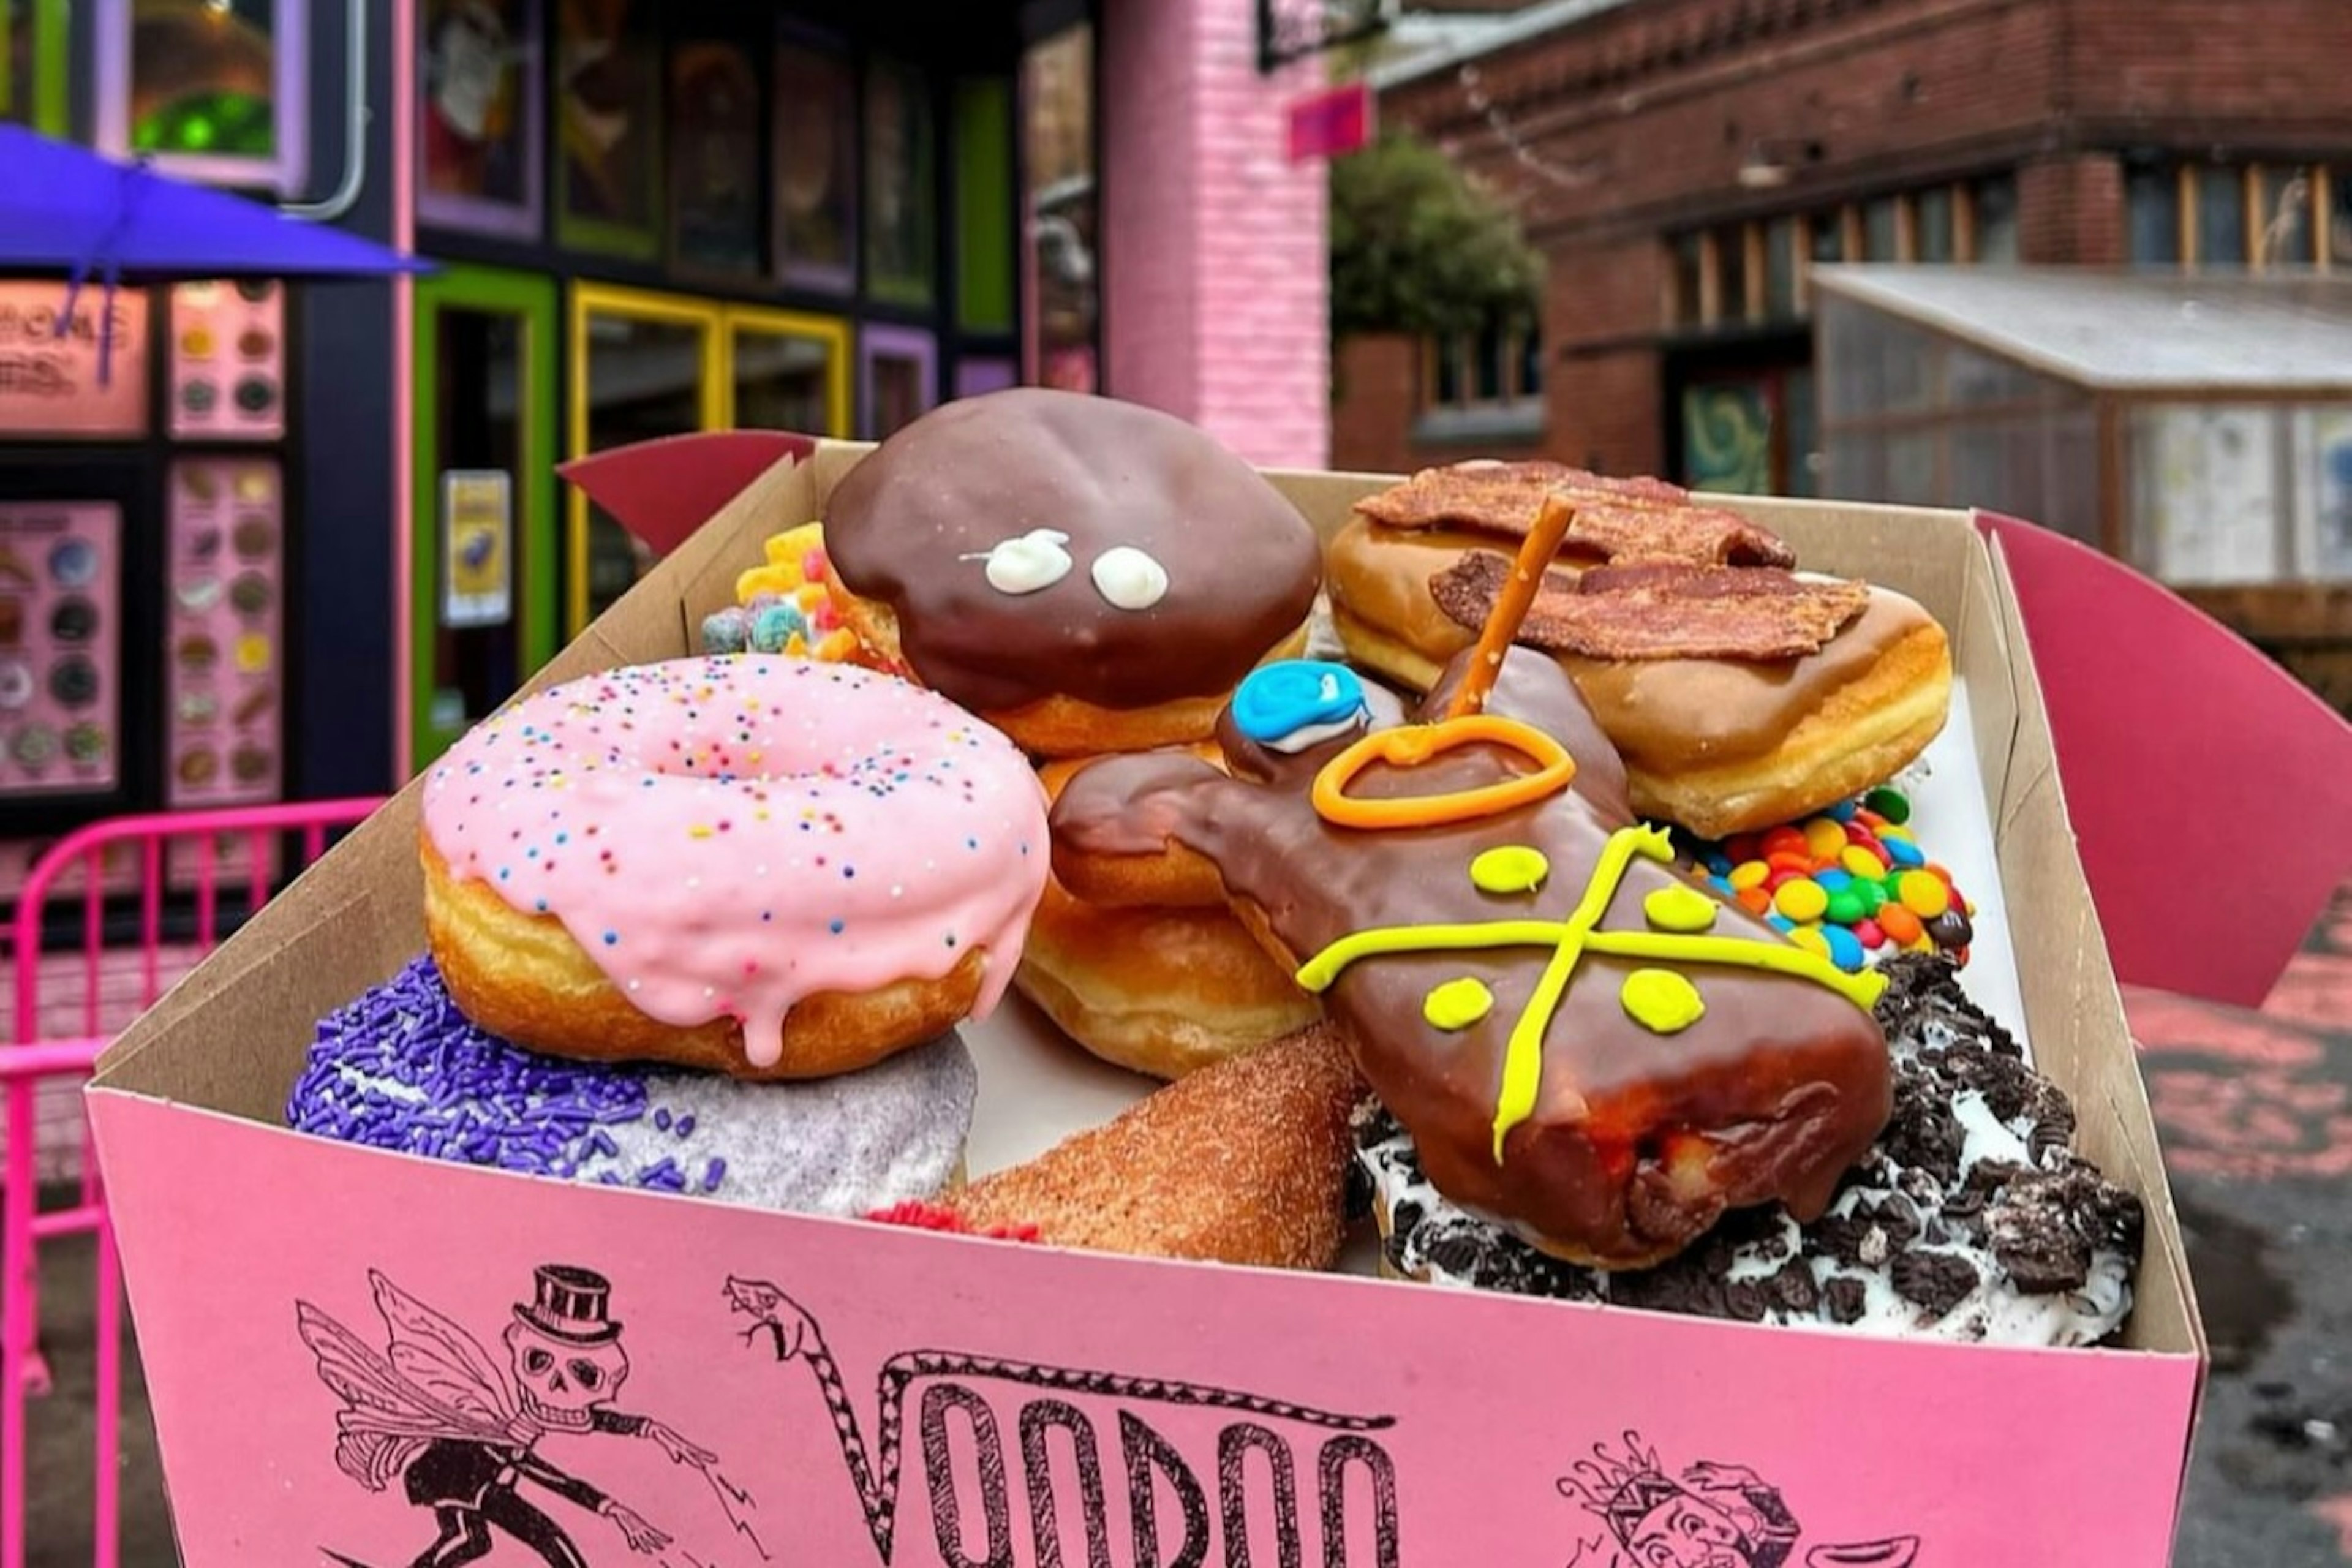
<point x="1682" y="163"/>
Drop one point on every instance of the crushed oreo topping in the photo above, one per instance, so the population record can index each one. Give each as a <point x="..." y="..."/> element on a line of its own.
<point x="1971" y="1218"/>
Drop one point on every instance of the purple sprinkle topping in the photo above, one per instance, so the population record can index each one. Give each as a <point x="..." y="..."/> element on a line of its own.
<point x="716" y="1174"/>
<point x="686" y="1126"/>
<point x="462" y="1094"/>
<point x="661" y="1117"/>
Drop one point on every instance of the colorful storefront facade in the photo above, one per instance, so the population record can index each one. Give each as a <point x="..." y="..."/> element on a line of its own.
<point x="646" y="219"/>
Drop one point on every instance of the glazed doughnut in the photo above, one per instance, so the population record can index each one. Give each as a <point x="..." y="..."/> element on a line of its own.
<point x="401" y="1068"/>
<point x="1163" y="990"/>
<point x="1087" y="575"/>
<point x="1720" y="745"/>
<point x="760" y="866"/>
<point x="1586" y="1048"/>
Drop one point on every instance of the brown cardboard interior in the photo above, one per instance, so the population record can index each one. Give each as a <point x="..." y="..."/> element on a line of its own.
<point x="231" y="1037"/>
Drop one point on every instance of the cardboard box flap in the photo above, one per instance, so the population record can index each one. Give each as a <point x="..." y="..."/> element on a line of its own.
<point x="662" y="491"/>
<point x="2072" y="993"/>
<point x="2158" y="712"/>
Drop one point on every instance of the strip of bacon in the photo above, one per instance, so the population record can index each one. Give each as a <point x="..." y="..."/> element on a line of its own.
<point x="1660" y="610"/>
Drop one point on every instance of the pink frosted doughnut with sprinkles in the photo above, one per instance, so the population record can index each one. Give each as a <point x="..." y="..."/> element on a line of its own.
<point x="761" y="865"/>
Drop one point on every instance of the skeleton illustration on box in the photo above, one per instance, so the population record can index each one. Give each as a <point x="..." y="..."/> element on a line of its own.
<point x="460" y="1432"/>
<point x="1711" y="1516"/>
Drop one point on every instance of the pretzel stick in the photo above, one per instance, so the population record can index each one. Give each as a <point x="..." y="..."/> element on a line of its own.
<point x="1502" y="627"/>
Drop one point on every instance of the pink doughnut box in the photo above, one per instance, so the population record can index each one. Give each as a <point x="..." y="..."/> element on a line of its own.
<point x="842" y="1394"/>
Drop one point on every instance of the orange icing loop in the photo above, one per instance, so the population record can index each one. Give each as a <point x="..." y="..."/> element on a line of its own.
<point x="1413" y="745"/>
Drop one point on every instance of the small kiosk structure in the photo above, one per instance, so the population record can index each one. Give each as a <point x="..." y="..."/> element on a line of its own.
<point x="2198" y="428"/>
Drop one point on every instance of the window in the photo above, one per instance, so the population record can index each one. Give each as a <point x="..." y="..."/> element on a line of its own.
<point x="1754" y="273"/>
<point x="1994" y="204"/>
<point x="2220" y="217"/>
<point x="1689" y="267"/>
<point x="2152" y="200"/>
<point x="1932" y="235"/>
<point x="2257" y="215"/>
<point x="1780" y="269"/>
<point x="1731" y="275"/>
<point x="1881" y="229"/>
<point x="2285" y="236"/>
<point x="1497" y="372"/>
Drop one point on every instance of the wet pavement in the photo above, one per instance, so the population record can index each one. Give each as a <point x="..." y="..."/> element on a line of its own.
<point x="2256" y="1115"/>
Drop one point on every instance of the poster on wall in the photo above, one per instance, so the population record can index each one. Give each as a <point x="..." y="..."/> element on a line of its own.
<point x="476" y="547"/>
<point x="2207" y="490"/>
<point x="714" y="157"/>
<point x="816" y="159"/>
<point x="901" y="378"/>
<point x="49" y="382"/>
<point x="901" y="206"/>
<point x="2323" y="501"/>
<point x="1727" y="437"/>
<point x="608" y="112"/>
<point x="1062" y="208"/>
<point x="212" y="90"/>
<point x="60" y="707"/>
<point x="478" y="115"/>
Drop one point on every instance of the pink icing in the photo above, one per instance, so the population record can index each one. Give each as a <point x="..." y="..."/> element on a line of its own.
<point x="726" y="835"/>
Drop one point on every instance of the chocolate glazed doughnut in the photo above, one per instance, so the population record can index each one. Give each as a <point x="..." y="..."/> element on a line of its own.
<point x="1639" y="1132"/>
<point x="1086" y="575"/>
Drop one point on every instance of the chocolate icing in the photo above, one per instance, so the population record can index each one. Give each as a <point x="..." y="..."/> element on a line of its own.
<point x="1776" y="1089"/>
<point x="1243" y="565"/>
<point x="1933" y="1233"/>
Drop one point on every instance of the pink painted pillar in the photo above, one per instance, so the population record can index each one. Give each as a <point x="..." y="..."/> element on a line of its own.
<point x="1217" y="287"/>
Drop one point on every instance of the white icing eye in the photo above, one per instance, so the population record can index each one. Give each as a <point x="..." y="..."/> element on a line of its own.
<point x="1129" y="578"/>
<point x="1027" y="563"/>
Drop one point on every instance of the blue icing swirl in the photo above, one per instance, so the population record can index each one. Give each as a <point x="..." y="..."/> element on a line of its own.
<point x="1281" y="699"/>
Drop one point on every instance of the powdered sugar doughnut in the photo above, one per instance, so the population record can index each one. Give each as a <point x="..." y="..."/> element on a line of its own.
<point x="401" y="1068"/>
<point x="768" y="867"/>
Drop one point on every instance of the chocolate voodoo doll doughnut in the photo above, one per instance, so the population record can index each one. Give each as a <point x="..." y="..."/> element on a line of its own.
<point x="1087" y="575"/>
<point x="1587" y="1049"/>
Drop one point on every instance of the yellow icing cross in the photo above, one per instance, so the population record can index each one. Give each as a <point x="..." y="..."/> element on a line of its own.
<point x="1569" y="941"/>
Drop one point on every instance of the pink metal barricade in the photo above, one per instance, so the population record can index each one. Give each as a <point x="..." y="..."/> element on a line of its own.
<point x="190" y="875"/>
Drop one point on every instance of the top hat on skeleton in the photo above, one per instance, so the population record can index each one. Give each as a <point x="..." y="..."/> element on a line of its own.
<point x="571" y="1305"/>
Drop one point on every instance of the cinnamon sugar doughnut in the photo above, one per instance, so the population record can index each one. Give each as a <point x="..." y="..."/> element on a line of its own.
<point x="761" y="865"/>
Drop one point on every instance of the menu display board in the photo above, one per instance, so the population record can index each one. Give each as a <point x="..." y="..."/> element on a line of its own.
<point x="478" y="115"/>
<point x="61" y="643"/>
<point x="816" y="160"/>
<point x="88" y="382"/>
<point x="608" y="170"/>
<point x="900" y="205"/>
<point x="714" y="157"/>
<point x="228" y="361"/>
<point x="224" y="623"/>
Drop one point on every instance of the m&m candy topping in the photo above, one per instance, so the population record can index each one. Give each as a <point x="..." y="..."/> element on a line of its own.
<point x="1850" y="884"/>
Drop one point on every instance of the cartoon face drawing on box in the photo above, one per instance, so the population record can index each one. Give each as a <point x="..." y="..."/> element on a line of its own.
<point x="460" y="1432"/>
<point x="1711" y="1516"/>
